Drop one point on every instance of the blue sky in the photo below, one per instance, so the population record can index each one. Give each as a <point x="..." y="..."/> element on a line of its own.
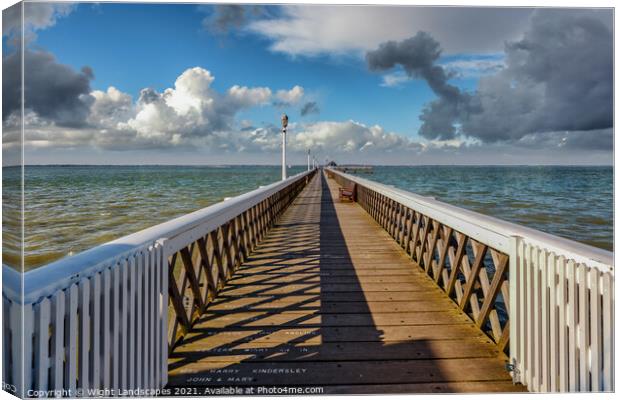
<point x="161" y="50"/>
<point x="381" y="113"/>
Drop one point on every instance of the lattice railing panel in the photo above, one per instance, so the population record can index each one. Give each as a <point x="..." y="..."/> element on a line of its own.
<point x="199" y="270"/>
<point x="472" y="274"/>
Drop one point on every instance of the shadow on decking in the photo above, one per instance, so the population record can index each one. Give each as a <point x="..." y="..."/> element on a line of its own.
<point x="298" y="303"/>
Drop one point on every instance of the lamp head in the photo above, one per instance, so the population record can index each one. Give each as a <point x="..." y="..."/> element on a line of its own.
<point x="284" y="120"/>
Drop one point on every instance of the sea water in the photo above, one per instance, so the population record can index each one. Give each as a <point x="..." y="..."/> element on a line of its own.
<point x="69" y="209"/>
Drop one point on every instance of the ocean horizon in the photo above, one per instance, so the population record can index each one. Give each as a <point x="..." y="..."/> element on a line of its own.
<point x="304" y="165"/>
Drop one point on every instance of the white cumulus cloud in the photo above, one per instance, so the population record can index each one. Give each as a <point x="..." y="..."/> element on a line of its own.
<point x="336" y="137"/>
<point x="249" y="97"/>
<point x="190" y="113"/>
<point x="292" y="96"/>
<point x="37" y="16"/>
<point x="394" y="79"/>
<point x="192" y="92"/>
<point x="110" y="107"/>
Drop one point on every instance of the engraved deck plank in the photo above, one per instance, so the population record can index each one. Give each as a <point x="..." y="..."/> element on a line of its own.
<point x="341" y="372"/>
<point x="250" y="352"/>
<point x="329" y="299"/>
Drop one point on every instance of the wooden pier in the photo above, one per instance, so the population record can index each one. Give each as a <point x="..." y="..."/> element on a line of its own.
<point x="329" y="299"/>
<point x="286" y="287"/>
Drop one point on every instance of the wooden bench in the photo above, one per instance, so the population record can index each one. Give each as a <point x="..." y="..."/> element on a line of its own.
<point x="347" y="192"/>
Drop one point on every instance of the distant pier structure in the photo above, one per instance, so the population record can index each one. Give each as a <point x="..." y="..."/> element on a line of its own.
<point x="356" y="169"/>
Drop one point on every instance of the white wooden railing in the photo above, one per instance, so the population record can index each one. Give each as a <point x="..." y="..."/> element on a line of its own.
<point x="101" y="323"/>
<point x="101" y="328"/>
<point x="547" y="302"/>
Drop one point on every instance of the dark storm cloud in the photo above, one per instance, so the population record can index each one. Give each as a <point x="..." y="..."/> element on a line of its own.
<point x="418" y="55"/>
<point x="602" y="139"/>
<point x="230" y="16"/>
<point x="309" y="108"/>
<point x="53" y="91"/>
<point x="226" y="17"/>
<point x="558" y="78"/>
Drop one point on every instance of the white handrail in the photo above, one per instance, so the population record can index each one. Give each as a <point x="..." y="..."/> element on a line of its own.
<point x="491" y="231"/>
<point x="45" y="280"/>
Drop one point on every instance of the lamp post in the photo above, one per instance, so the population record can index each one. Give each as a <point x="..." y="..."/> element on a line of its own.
<point x="308" y="159"/>
<point x="284" y="125"/>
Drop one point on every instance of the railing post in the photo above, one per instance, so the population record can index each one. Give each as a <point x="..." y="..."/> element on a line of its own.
<point x="163" y="309"/>
<point x="514" y="301"/>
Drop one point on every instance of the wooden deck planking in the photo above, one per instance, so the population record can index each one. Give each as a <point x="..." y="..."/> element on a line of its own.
<point x="328" y="298"/>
